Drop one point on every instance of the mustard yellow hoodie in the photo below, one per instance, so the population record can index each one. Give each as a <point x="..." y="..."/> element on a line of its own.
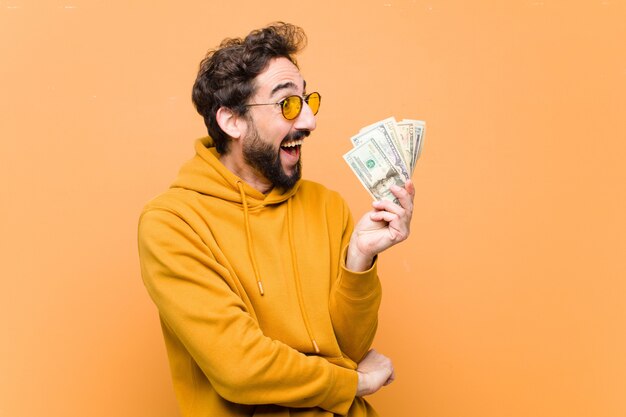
<point x="260" y="315"/>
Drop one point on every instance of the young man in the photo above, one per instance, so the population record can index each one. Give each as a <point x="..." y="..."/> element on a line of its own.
<point x="267" y="292"/>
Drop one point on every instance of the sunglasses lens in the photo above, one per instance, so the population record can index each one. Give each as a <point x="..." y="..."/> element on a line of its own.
<point x="291" y="107"/>
<point x="313" y="100"/>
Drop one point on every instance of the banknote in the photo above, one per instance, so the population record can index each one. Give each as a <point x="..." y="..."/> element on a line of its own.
<point x="406" y="133"/>
<point x="374" y="170"/>
<point x="386" y="138"/>
<point x="420" y="132"/>
<point x="386" y="153"/>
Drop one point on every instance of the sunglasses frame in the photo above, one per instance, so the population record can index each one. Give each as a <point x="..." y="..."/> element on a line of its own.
<point x="301" y="99"/>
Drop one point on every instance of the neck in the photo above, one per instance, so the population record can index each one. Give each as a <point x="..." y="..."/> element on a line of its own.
<point x="238" y="167"/>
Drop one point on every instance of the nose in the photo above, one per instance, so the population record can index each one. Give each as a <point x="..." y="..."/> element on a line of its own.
<point x="306" y="118"/>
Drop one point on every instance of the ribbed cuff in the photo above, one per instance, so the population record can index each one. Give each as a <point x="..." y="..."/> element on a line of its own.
<point x="358" y="285"/>
<point x="342" y="391"/>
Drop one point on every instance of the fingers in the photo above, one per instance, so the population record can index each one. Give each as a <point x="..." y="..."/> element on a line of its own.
<point x="386" y="206"/>
<point x="384" y="215"/>
<point x="388" y="224"/>
<point x="391" y="378"/>
<point x="404" y="195"/>
<point x="368" y="371"/>
<point x="397" y="216"/>
<point x="375" y="371"/>
<point x="410" y="188"/>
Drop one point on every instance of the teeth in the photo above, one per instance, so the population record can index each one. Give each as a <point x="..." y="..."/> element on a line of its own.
<point x="293" y="143"/>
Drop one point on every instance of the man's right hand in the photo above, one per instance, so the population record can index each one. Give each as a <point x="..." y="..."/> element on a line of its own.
<point x="375" y="371"/>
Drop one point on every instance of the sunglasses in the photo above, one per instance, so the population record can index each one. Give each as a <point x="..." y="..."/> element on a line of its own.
<point x="292" y="106"/>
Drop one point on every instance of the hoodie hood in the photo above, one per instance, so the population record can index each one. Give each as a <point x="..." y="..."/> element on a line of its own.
<point x="205" y="174"/>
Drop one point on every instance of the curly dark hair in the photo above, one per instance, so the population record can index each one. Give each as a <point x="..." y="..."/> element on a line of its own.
<point x="226" y="75"/>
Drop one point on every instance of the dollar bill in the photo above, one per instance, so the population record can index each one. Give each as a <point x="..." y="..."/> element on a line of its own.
<point x="406" y="133"/>
<point x="391" y="125"/>
<point x="385" y="153"/>
<point x="420" y="132"/>
<point x="374" y="170"/>
<point x="384" y="134"/>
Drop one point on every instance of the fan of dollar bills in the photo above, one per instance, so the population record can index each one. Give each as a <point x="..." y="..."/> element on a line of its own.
<point x="385" y="153"/>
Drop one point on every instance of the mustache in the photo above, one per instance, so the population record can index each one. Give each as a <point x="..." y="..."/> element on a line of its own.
<point x="298" y="134"/>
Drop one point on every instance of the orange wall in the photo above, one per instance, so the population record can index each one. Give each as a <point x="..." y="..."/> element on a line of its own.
<point x="509" y="297"/>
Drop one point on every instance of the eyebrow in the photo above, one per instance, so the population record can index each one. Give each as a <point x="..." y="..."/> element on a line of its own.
<point x="283" y="86"/>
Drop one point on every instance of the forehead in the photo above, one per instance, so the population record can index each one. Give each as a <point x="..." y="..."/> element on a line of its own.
<point x="280" y="76"/>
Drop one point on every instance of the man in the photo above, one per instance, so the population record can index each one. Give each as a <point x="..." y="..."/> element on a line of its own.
<point x="267" y="293"/>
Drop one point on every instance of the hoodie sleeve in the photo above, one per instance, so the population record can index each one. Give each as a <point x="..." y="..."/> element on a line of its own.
<point x="190" y="289"/>
<point x="354" y="301"/>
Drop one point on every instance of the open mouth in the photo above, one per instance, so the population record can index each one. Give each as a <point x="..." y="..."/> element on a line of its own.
<point x="292" y="147"/>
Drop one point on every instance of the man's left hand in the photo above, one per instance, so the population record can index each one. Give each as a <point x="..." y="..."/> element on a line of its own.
<point x="381" y="228"/>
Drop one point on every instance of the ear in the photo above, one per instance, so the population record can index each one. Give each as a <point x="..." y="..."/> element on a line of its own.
<point x="229" y="122"/>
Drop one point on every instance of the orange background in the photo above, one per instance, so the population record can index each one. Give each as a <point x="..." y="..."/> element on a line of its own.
<point x="509" y="299"/>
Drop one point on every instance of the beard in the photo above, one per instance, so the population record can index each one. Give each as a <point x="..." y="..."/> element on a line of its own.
<point x="262" y="156"/>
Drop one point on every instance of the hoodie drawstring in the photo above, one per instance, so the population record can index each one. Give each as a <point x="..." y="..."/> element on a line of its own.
<point x="294" y="259"/>
<point x="246" y="221"/>
<point x="296" y="273"/>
